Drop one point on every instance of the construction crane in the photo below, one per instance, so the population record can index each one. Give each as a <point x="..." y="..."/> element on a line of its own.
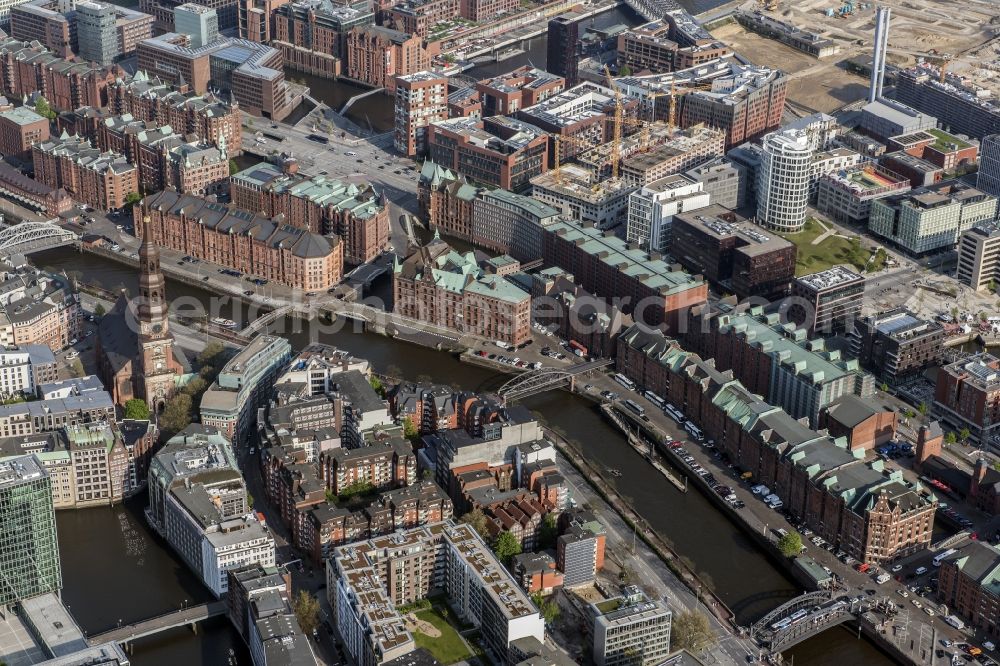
<point x="557" y="139"/>
<point x="617" y="140"/>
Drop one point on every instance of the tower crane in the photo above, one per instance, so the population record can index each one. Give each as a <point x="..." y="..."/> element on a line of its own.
<point x="616" y="145"/>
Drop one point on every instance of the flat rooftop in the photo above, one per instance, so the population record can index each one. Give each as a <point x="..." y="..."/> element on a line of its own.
<point x="832" y="277"/>
<point x="20" y="470"/>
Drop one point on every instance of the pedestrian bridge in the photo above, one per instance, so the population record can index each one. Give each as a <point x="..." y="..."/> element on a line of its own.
<point x="802" y="618"/>
<point x="539" y="381"/>
<point x="179" y="618"/>
<point x="31" y="236"/>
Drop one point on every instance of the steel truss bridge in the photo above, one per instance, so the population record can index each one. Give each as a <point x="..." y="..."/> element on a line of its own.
<point x="30" y="236"/>
<point x="815" y="622"/>
<point x="539" y="381"/>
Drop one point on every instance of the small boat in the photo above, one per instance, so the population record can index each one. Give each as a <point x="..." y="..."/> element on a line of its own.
<point x="224" y="323"/>
<point x="614" y="472"/>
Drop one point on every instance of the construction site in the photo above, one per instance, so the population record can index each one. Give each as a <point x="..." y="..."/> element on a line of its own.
<point x="817" y="41"/>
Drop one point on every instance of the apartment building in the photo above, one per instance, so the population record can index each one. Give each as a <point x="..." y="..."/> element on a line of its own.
<point x="269" y="248"/>
<point x="27" y="68"/>
<point x="847" y="195"/>
<point x="318" y="366"/>
<point x="774" y="360"/>
<point x="445" y="556"/>
<point x="828" y="301"/>
<point x="967" y="395"/>
<point x="651" y="210"/>
<point x="440" y="286"/>
<point x="510" y="223"/>
<point x="77" y="409"/>
<point x="725" y="181"/>
<point x="745" y="103"/>
<point x="873" y="514"/>
<point x="733" y="253"/>
<point x="421" y="99"/>
<point x="376" y="55"/>
<point x="244" y="384"/>
<point x="580" y="547"/>
<point x="683" y="150"/>
<point x="520" y="88"/>
<point x="354" y="213"/>
<point x="896" y="345"/>
<point x="979" y="255"/>
<point x="606" y="265"/>
<point x="20" y="129"/>
<point x="962" y="107"/>
<point x="24" y="368"/>
<point x="163" y="12"/>
<point x="198" y="503"/>
<point x="563" y="46"/>
<point x="384" y="465"/>
<point x="420" y="17"/>
<point x="260" y="607"/>
<point x="312" y="34"/>
<point x="251" y="72"/>
<point x="783" y="180"/>
<point x="630" y="629"/>
<point x="480" y="11"/>
<point x="496" y="152"/>
<point x="930" y="219"/>
<point x="39" y="309"/>
<point x="48" y="22"/>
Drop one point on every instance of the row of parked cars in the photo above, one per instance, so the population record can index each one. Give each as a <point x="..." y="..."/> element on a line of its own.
<point x="770" y="499"/>
<point x="724" y="491"/>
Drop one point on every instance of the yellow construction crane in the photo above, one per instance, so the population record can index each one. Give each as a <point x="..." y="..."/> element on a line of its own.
<point x="617" y="139"/>
<point x="557" y="139"/>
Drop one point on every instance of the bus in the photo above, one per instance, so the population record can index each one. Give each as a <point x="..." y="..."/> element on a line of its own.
<point x="634" y="406"/>
<point x="942" y="556"/>
<point x="673" y="413"/>
<point x="693" y="430"/>
<point x="655" y="399"/>
<point x="318" y="138"/>
<point x="272" y="135"/>
<point x="625" y="381"/>
<point x="577" y="348"/>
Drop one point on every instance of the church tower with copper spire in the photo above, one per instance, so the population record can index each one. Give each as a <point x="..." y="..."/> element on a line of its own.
<point x="156" y="366"/>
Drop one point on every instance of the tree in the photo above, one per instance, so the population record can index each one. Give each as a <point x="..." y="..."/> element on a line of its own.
<point x="137" y="409"/>
<point x="43" y="109"/>
<point x="99" y="311"/>
<point x="790" y="544"/>
<point x="923" y="408"/>
<point x="306" y="608"/>
<point x="964" y="434"/>
<point x="233" y="167"/>
<point x="208" y="355"/>
<point x="506" y="547"/>
<point x="77" y="368"/>
<point x="250" y="501"/>
<point x="950" y="437"/>
<point x="477" y="520"/>
<point x="195" y="387"/>
<point x="624" y="70"/>
<point x="377" y="385"/>
<point x="132" y="198"/>
<point x="690" y="631"/>
<point x="884" y="387"/>
<point x="176" y="415"/>
<point x="410" y="431"/>
<point x="549" y="532"/>
<point x="548" y="607"/>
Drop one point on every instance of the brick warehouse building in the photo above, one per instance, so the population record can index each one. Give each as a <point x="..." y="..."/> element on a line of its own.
<point x="864" y="509"/>
<point x="318" y="204"/>
<point x="441" y="286"/>
<point x="605" y="265"/>
<point x="101" y="180"/>
<point x="376" y="55"/>
<point x="228" y="236"/>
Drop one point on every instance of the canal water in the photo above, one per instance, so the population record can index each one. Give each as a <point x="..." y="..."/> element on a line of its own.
<point x="129" y="572"/>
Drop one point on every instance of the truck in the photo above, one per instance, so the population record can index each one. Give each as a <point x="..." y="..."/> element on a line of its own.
<point x="883" y="578"/>
<point x="955" y="622"/>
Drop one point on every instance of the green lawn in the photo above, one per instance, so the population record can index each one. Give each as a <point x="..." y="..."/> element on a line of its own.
<point x="832" y="251"/>
<point x="447" y="648"/>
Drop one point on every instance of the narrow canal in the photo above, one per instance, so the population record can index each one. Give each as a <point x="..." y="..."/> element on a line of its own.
<point x="129" y="572"/>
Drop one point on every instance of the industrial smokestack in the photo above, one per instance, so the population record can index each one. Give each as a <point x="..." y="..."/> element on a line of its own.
<point x="878" y="53"/>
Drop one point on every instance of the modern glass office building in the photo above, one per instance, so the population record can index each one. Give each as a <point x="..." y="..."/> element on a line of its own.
<point x="29" y="547"/>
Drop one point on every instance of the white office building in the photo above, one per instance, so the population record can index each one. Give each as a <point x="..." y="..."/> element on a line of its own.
<point x="652" y="208"/>
<point x="783" y="180"/>
<point x="630" y="630"/>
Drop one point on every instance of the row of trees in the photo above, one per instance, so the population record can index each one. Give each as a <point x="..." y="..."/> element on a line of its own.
<point x="179" y="410"/>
